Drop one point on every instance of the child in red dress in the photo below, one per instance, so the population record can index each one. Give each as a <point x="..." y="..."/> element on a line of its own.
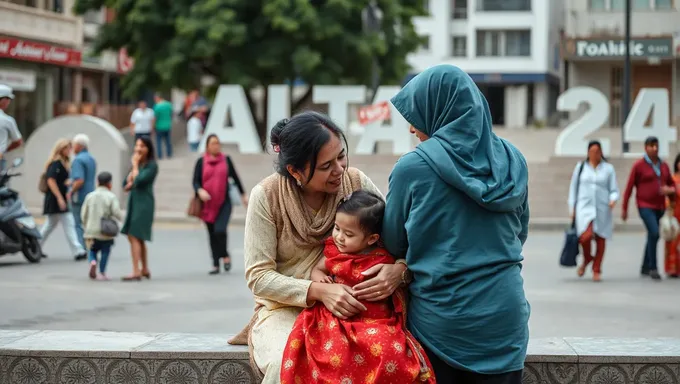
<point x="372" y="347"/>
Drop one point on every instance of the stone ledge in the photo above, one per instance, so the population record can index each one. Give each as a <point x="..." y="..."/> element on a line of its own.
<point x="138" y="358"/>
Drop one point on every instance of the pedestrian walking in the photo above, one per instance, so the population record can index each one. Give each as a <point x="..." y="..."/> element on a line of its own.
<point x="163" y="126"/>
<point x="140" y="206"/>
<point x="10" y="137"/>
<point x="98" y="205"/>
<point x="142" y="121"/>
<point x="211" y="184"/>
<point x="593" y="192"/>
<point x="55" y="206"/>
<point x="83" y="173"/>
<point x="651" y="178"/>
<point x="194" y="129"/>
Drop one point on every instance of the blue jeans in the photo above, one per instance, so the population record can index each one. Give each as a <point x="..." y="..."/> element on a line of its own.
<point x="650" y="217"/>
<point x="105" y="247"/>
<point x="163" y="136"/>
<point x="193" y="147"/>
<point x="75" y="208"/>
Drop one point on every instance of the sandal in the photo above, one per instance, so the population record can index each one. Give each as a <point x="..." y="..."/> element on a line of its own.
<point x="132" y="278"/>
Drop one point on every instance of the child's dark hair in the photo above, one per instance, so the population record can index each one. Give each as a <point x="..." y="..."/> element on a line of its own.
<point x="104" y="178"/>
<point x="368" y="207"/>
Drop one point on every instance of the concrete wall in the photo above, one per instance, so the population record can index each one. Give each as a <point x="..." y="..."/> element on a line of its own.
<point x="107" y="145"/>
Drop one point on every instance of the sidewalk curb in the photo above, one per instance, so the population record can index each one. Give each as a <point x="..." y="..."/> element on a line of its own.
<point x="537" y="224"/>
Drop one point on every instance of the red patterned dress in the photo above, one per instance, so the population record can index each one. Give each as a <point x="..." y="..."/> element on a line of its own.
<point x="373" y="347"/>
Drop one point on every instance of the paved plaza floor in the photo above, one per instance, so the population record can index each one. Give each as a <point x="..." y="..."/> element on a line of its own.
<point x="56" y="294"/>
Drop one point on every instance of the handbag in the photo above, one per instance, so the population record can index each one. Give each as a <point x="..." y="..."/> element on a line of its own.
<point x="108" y="226"/>
<point x="234" y="194"/>
<point x="571" y="246"/>
<point x="668" y="225"/>
<point x="42" y="183"/>
<point x="195" y="207"/>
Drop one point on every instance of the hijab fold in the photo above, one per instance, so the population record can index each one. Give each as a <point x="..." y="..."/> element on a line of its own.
<point x="445" y="103"/>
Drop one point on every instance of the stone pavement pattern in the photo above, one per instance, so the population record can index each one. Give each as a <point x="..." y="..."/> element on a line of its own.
<point x="181" y="297"/>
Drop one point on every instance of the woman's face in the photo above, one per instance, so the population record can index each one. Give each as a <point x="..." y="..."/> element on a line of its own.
<point x="595" y="154"/>
<point x="141" y="149"/>
<point x="66" y="151"/>
<point x="331" y="163"/>
<point x="419" y="134"/>
<point x="214" y="146"/>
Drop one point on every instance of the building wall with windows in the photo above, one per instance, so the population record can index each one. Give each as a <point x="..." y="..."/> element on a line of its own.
<point x="509" y="47"/>
<point x="594" y="50"/>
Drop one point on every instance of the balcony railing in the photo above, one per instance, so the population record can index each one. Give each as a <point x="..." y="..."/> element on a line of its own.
<point x="37" y="24"/>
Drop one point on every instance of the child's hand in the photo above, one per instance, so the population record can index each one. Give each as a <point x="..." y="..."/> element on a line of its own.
<point x="326" y="280"/>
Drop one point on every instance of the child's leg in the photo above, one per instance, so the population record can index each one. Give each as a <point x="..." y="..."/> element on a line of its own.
<point x="106" y="250"/>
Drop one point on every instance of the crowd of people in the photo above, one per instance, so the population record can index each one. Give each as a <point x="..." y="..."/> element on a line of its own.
<point x="594" y="193"/>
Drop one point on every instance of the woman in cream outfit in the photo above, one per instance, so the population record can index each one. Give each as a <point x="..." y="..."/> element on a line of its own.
<point x="289" y="215"/>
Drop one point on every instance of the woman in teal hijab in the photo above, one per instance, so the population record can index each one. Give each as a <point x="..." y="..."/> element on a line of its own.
<point x="457" y="211"/>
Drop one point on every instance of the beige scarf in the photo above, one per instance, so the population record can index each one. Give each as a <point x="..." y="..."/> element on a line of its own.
<point x="298" y="225"/>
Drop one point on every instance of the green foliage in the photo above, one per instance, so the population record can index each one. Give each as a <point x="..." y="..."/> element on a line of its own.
<point x="256" y="42"/>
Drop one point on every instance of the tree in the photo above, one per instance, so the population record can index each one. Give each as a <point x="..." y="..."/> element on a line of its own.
<point x="256" y="42"/>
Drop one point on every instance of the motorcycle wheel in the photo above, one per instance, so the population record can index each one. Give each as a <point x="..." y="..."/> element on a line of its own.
<point x="31" y="250"/>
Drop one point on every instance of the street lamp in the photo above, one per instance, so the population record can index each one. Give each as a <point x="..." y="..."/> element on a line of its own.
<point x="626" y="77"/>
<point x="372" y="17"/>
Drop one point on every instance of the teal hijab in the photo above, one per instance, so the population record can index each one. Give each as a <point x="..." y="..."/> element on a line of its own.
<point x="444" y="103"/>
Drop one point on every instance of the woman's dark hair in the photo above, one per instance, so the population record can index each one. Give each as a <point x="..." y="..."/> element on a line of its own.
<point x="596" y="143"/>
<point x="299" y="140"/>
<point x="146" y="140"/>
<point x="210" y="136"/>
<point x="676" y="169"/>
<point x="368" y="207"/>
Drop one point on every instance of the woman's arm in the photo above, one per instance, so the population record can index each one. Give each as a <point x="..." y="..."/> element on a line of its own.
<point x="614" y="193"/>
<point x="234" y="175"/>
<point x="146" y="175"/>
<point x="572" y="189"/>
<point x="260" y="251"/>
<point x="198" y="175"/>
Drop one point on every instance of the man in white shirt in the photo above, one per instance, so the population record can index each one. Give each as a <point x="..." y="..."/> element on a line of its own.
<point x="142" y="121"/>
<point x="10" y="137"/>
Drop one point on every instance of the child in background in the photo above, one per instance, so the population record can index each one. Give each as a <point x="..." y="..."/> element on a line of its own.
<point x="371" y="347"/>
<point x="102" y="203"/>
<point x="194" y="129"/>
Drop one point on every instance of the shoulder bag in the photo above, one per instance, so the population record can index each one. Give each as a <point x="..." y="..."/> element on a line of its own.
<point x="109" y="226"/>
<point x="570" y="250"/>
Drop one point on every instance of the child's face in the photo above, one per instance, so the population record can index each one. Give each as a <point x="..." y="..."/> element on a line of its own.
<point x="348" y="235"/>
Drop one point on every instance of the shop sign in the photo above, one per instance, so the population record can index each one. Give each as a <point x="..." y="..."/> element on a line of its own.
<point x="615" y="48"/>
<point x="42" y="53"/>
<point x="372" y="113"/>
<point x="20" y="80"/>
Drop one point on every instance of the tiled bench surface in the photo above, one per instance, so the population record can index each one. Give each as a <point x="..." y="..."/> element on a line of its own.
<point x="79" y="357"/>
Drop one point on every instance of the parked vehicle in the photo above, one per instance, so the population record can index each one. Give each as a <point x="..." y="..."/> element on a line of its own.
<point x="18" y="231"/>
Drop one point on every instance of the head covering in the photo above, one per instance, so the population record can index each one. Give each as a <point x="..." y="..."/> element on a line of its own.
<point x="444" y="103"/>
<point x="6" y="91"/>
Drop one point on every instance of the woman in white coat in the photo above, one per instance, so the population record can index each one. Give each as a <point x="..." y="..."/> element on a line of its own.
<point x="593" y="193"/>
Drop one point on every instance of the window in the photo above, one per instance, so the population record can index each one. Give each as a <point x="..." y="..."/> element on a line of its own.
<point x="459" y="9"/>
<point x="425" y="43"/>
<point x="638" y="5"/>
<point x="504" y="5"/>
<point x="518" y="43"/>
<point x="504" y="43"/>
<point x="459" y="48"/>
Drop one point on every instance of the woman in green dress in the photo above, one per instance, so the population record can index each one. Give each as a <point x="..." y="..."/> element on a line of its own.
<point x="140" y="208"/>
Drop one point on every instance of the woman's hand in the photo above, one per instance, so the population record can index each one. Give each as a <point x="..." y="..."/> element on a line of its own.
<point x="386" y="280"/>
<point x="203" y="195"/>
<point x="339" y="299"/>
<point x="136" y="158"/>
<point x="244" y="200"/>
<point x="612" y="204"/>
<point x="62" y="203"/>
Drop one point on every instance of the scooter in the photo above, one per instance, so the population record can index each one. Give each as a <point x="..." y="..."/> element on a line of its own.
<point x="18" y="231"/>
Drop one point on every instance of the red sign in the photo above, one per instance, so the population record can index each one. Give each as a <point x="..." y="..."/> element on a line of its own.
<point x="125" y="62"/>
<point x="42" y="53"/>
<point x="373" y="113"/>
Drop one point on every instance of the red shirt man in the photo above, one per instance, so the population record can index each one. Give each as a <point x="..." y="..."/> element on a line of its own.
<point x="652" y="180"/>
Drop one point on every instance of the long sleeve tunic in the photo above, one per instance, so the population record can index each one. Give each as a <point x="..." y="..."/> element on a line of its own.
<point x="597" y="188"/>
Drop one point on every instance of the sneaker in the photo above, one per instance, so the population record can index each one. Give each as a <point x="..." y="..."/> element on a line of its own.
<point x="93" y="270"/>
<point x="80" y="257"/>
<point x="644" y="272"/>
<point x="654" y="274"/>
<point x="103" y="277"/>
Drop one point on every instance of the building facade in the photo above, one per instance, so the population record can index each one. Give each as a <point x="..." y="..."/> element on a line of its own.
<point x="509" y="47"/>
<point x="44" y="57"/>
<point x="594" y="49"/>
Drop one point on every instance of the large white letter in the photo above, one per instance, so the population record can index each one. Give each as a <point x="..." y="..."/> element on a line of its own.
<point x="338" y="98"/>
<point x="278" y="107"/>
<point x="231" y="98"/>
<point x="573" y="140"/>
<point x="396" y="131"/>
<point x="654" y="102"/>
